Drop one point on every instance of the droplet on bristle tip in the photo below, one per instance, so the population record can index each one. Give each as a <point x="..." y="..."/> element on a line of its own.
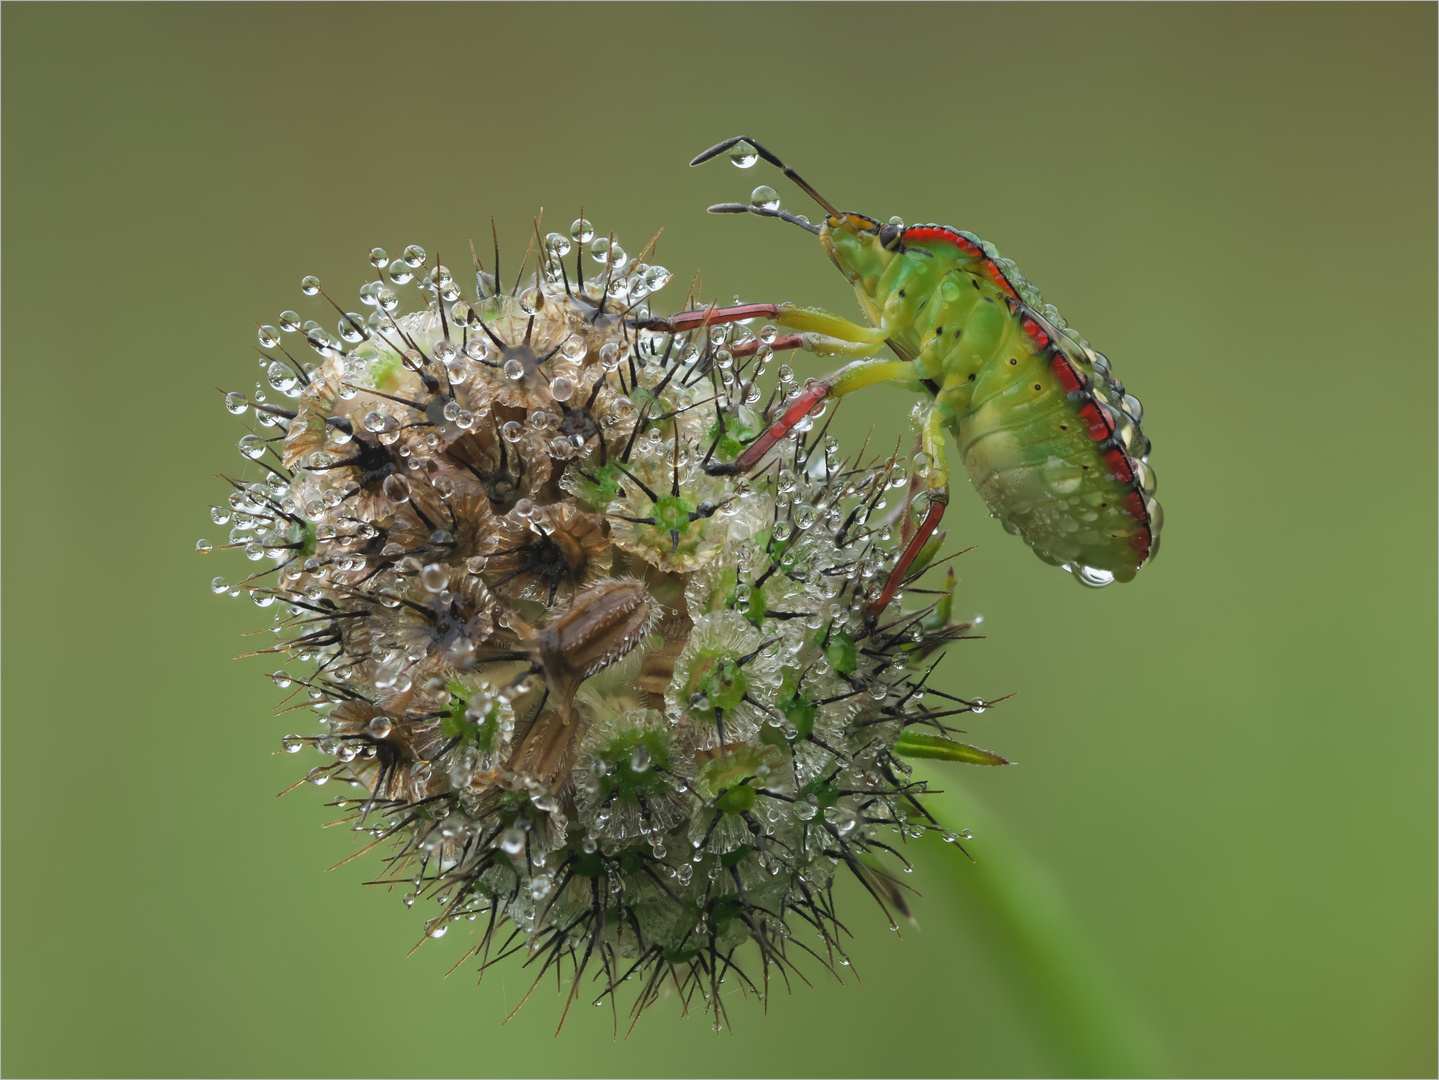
<point x="581" y="231"/>
<point x="309" y="284"/>
<point x="742" y="155"/>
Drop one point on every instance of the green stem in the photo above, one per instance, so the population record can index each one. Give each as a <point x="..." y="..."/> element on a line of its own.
<point x="1094" y="1028"/>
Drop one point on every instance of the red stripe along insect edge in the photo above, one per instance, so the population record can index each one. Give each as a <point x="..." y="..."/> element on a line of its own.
<point x="1048" y="436"/>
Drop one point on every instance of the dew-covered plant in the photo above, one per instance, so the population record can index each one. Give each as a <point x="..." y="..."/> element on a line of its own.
<point x="594" y="704"/>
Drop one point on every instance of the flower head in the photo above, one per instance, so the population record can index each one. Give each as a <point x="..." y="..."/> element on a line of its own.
<point x="581" y="683"/>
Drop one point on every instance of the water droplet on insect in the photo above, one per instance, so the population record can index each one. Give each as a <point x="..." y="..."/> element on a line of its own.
<point x="640" y="758"/>
<point x="764" y="197"/>
<point x="1091" y="576"/>
<point x="743" y="155"/>
<point x="978" y="705"/>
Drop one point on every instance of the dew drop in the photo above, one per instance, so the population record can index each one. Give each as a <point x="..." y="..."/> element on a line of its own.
<point x="764" y="197"/>
<point x="581" y="231"/>
<point x="742" y="155"/>
<point x="309" y="284"/>
<point x="1090" y="576"/>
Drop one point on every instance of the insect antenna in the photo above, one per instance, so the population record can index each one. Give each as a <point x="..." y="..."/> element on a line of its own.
<point x="801" y="182"/>
<point x="762" y="211"/>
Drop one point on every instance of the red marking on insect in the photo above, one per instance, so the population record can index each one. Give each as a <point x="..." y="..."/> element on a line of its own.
<point x="1118" y="462"/>
<point x="920" y="234"/>
<point x="1099" y="419"/>
<point x="1134" y="506"/>
<point x="996" y="275"/>
<point x="1064" y="371"/>
<point x="1035" y="331"/>
<point x="1140" y="541"/>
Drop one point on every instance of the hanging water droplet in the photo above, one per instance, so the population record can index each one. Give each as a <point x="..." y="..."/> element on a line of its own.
<point x="309" y="284"/>
<point x="1090" y="576"/>
<point x="742" y="155"/>
<point x="379" y="259"/>
<point x="414" y="256"/>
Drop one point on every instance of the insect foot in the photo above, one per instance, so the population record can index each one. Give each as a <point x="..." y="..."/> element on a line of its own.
<point x="594" y="682"/>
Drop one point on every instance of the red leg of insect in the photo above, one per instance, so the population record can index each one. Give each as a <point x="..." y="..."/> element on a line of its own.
<point x="779" y="344"/>
<point x="846" y="380"/>
<point x="936" y="478"/>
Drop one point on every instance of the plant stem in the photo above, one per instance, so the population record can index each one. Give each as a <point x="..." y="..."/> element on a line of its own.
<point x="1093" y="1026"/>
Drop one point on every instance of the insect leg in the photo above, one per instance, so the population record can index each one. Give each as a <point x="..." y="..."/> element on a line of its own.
<point x="931" y="435"/>
<point x="842" y="336"/>
<point x="846" y="380"/>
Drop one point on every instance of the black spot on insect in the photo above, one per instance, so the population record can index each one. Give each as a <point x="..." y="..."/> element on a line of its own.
<point x="938" y="330"/>
<point x="1013" y="360"/>
<point x="1037" y="386"/>
<point x="901" y="292"/>
<point x="971" y="376"/>
<point x="1063" y="427"/>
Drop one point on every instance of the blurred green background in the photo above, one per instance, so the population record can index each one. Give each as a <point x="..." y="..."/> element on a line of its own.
<point x="1227" y="768"/>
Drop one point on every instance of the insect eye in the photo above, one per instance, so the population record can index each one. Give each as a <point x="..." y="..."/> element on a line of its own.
<point x="889" y="237"/>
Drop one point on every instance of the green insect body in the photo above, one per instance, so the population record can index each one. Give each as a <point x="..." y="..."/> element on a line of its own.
<point x="1011" y="390"/>
<point x="1049" y="438"/>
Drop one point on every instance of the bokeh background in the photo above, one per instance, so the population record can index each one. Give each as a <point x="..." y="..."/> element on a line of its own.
<point x="1227" y="768"/>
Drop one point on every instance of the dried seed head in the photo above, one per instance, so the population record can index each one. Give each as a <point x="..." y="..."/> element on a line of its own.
<point x="566" y="669"/>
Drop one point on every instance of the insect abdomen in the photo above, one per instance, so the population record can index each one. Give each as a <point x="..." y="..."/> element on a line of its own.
<point x="1046" y="435"/>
